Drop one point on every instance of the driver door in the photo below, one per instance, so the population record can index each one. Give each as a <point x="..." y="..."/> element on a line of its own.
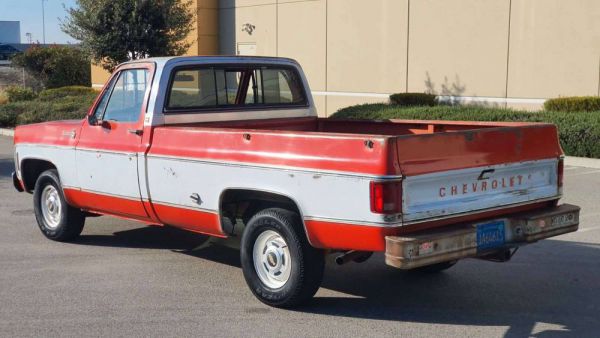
<point x="110" y="141"/>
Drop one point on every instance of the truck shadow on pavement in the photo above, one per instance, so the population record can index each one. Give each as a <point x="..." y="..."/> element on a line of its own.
<point x="7" y="166"/>
<point x="550" y="289"/>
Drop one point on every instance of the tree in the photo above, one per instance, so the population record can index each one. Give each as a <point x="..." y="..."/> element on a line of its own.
<point x="56" y="66"/>
<point x="115" y="31"/>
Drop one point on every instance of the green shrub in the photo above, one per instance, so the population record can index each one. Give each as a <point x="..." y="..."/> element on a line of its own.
<point x="17" y="93"/>
<point x="54" y="93"/>
<point x="579" y="132"/>
<point x="3" y="97"/>
<point x="56" y="66"/>
<point x="10" y="111"/>
<point x="413" y="99"/>
<point x="573" y="103"/>
<point x="56" y="108"/>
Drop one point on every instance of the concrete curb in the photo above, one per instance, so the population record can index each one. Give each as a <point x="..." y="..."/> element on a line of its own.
<point x="582" y="162"/>
<point x="7" y="132"/>
<point x="569" y="160"/>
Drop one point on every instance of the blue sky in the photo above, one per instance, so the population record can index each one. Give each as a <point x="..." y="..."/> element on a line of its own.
<point x="29" y="12"/>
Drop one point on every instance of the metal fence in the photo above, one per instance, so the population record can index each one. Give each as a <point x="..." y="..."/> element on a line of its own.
<point x="16" y="76"/>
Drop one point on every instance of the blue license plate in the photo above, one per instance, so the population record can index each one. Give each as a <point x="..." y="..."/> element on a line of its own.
<point x="490" y="235"/>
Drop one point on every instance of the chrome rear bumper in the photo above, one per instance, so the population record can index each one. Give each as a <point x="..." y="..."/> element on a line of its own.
<point x="461" y="241"/>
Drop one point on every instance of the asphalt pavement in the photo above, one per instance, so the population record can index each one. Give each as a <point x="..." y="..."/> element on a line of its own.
<point x="121" y="278"/>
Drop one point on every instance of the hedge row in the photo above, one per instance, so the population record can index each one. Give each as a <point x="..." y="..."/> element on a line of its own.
<point x="55" y="93"/>
<point x="413" y="99"/>
<point x="38" y="110"/>
<point x="18" y="93"/>
<point x="579" y="132"/>
<point x="573" y="104"/>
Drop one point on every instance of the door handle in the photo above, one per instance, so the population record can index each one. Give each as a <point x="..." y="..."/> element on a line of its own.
<point x="138" y="132"/>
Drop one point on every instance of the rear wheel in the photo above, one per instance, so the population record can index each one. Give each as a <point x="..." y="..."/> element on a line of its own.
<point x="281" y="268"/>
<point x="434" y="268"/>
<point x="57" y="220"/>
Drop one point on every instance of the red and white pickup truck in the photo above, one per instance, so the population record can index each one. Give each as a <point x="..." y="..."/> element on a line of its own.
<point x="233" y="145"/>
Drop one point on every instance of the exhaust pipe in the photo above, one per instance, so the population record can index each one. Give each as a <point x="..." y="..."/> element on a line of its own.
<point x="353" y="256"/>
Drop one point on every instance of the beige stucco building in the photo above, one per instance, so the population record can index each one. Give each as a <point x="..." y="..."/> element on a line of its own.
<point x="500" y="52"/>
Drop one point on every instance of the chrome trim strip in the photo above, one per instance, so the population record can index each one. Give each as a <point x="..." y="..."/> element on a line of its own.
<point x="273" y="167"/>
<point x="103" y="151"/>
<point x="45" y="145"/>
<point x="116" y="152"/>
<point x="482" y="210"/>
<point x="184" y="207"/>
<point x="353" y="222"/>
<point x="401" y="224"/>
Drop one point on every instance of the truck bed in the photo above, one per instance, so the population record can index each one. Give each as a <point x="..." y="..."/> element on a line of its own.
<point x="421" y="146"/>
<point x="440" y="163"/>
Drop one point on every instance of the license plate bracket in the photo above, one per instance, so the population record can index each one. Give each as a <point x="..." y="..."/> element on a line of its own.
<point x="490" y="235"/>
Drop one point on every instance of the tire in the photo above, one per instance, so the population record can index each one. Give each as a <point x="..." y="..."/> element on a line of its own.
<point x="57" y="220"/>
<point x="288" y="270"/>
<point x="435" y="268"/>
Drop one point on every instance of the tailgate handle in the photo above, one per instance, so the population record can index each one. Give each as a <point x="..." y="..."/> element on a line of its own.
<point x="485" y="172"/>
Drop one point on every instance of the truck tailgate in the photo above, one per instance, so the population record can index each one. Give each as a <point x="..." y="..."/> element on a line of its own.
<point x="461" y="172"/>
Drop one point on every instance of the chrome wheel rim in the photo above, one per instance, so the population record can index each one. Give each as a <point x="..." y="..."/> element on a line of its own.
<point x="51" y="206"/>
<point x="272" y="260"/>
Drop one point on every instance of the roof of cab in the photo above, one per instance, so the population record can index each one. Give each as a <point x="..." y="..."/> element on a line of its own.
<point x="162" y="61"/>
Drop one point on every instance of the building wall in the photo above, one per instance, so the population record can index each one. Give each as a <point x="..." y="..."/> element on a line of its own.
<point x="501" y="52"/>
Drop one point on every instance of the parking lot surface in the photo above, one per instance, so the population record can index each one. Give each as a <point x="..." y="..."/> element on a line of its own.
<point x="122" y="278"/>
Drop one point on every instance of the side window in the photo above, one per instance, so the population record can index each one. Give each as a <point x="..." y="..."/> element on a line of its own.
<point x="127" y="96"/>
<point x="253" y="86"/>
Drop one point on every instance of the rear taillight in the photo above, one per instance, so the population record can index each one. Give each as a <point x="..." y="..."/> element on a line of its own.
<point x="561" y="170"/>
<point x="386" y="197"/>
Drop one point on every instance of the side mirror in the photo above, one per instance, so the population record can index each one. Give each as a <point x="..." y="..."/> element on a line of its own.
<point x="106" y="124"/>
<point x="92" y="120"/>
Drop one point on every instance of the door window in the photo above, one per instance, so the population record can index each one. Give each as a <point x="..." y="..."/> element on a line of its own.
<point x="127" y="96"/>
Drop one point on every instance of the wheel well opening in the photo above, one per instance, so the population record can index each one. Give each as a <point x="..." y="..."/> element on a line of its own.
<point x="241" y="205"/>
<point x="31" y="169"/>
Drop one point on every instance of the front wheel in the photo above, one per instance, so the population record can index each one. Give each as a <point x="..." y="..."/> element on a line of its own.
<point x="57" y="220"/>
<point x="281" y="268"/>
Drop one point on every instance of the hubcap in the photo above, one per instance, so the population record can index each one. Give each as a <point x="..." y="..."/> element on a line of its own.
<point x="51" y="206"/>
<point x="272" y="260"/>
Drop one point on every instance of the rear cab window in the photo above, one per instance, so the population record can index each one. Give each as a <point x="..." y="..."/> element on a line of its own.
<point x="226" y="87"/>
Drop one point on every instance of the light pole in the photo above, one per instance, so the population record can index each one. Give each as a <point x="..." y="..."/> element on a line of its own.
<point x="43" y="23"/>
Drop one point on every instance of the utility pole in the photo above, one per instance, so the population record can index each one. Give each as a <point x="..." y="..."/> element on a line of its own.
<point x="43" y="23"/>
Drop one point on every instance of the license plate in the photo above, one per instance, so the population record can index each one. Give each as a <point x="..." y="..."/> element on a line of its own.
<point x="561" y="220"/>
<point x="490" y="235"/>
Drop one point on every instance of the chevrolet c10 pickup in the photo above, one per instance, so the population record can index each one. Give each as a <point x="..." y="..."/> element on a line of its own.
<point x="233" y="146"/>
